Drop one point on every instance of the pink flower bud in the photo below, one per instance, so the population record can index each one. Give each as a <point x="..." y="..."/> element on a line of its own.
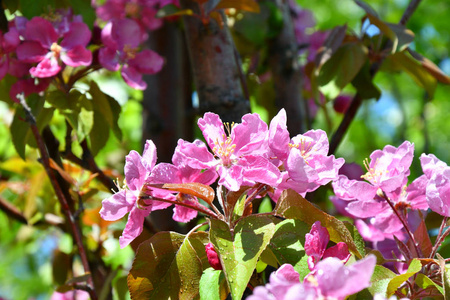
<point x="213" y="258"/>
<point x="341" y="103"/>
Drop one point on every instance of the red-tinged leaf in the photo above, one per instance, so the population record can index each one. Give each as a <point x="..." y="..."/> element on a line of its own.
<point x="92" y="217"/>
<point x="202" y="191"/>
<point x="247" y="5"/>
<point x="168" y="266"/>
<point x="425" y="282"/>
<point x="423" y="239"/>
<point x="332" y="43"/>
<point x="426" y="261"/>
<point x="62" y="172"/>
<point x="407" y="253"/>
<point x="291" y="205"/>
<point x="430" y="67"/>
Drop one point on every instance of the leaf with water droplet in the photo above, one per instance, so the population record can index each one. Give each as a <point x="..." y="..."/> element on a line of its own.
<point x="251" y="236"/>
<point x="165" y="263"/>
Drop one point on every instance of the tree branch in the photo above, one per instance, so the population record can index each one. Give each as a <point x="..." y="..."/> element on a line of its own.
<point x="337" y="137"/>
<point x="59" y="193"/>
<point x="12" y="211"/>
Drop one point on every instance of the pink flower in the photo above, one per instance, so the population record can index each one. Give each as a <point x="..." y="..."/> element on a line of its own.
<point x="75" y="294"/>
<point x="240" y="155"/>
<point x="122" y="39"/>
<point x="438" y="186"/>
<point x="316" y="242"/>
<point x="330" y="280"/>
<point x="337" y="281"/>
<point x="180" y="172"/>
<point x="305" y="157"/>
<point x="137" y="172"/>
<point x="213" y="257"/>
<point x="8" y="44"/>
<point x="42" y="46"/>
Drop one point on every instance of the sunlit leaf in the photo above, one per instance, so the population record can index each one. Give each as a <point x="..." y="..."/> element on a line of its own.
<point x="425" y="282"/>
<point x="380" y="280"/>
<point x="213" y="285"/>
<point x="239" y="252"/>
<point x="287" y="245"/>
<point x="168" y="265"/>
<point x="291" y="205"/>
<point x="414" y="267"/>
<point x="172" y="10"/>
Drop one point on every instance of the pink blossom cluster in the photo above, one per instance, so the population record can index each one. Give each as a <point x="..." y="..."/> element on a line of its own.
<point x="37" y="51"/>
<point x="244" y="154"/>
<point x="329" y="278"/>
<point x="383" y="203"/>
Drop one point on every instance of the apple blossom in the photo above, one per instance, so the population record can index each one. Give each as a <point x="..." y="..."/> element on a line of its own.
<point x="122" y="39"/>
<point x="42" y="45"/>
<point x="240" y="157"/>
<point x="316" y="242"/>
<point x="137" y="172"/>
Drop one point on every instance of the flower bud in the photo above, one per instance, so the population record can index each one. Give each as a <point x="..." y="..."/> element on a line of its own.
<point x="213" y="257"/>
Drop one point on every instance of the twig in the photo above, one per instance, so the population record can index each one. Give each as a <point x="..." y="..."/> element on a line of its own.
<point x="12" y="211"/>
<point x="357" y="100"/>
<point x="60" y="195"/>
<point x="405" y="225"/>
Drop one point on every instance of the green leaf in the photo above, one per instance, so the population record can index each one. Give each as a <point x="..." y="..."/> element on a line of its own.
<point x="293" y="206"/>
<point x="380" y="280"/>
<point x="287" y="245"/>
<point x="168" y="265"/>
<point x="5" y="87"/>
<point x="58" y="99"/>
<point x="32" y="8"/>
<point x="239" y="207"/>
<point x="61" y="265"/>
<point x="172" y="10"/>
<point x="99" y="134"/>
<point x="213" y="285"/>
<point x="405" y="62"/>
<point x="342" y="67"/>
<point x="101" y="103"/>
<point x="414" y="267"/>
<point x="116" y="110"/>
<point x="19" y="127"/>
<point x="444" y="276"/>
<point x="400" y="36"/>
<point x="363" y="82"/>
<point x="357" y="238"/>
<point x="85" y="9"/>
<point x="239" y="252"/>
<point x="425" y="282"/>
<point x="331" y="45"/>
<point x="265" y="206"/>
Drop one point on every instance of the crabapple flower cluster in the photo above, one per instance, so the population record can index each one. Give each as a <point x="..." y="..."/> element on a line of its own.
<point x="38" y="51"/>
<point x="245" y="154"/>
<point x="329" y="277"/>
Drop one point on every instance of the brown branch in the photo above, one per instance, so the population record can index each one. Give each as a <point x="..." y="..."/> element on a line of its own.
<point x="12" y="211"/>
<point x="59" y="193"/>
<point x="337" y="137"/>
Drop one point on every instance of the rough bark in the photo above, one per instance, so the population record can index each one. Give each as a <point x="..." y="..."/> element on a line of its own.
<point x="286" y="72"/>
<point x="214" y="66"/>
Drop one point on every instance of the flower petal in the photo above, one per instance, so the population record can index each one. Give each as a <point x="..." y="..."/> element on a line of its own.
<point x="77" y="56"/>
<point x="79" y="34"/>
<point x="133" y="78"/>
<point x="40" y="30"/>
<point x="134" y="226"/>
<point x="116" y="206"/>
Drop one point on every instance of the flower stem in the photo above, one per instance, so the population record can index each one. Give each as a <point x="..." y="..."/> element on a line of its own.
<point x="405" y="224"/>
<point x="440" y="237"/>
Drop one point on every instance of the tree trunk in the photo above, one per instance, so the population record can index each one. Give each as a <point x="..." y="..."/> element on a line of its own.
<point x="217" y="74"/>
<point x="286" y="73"/>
